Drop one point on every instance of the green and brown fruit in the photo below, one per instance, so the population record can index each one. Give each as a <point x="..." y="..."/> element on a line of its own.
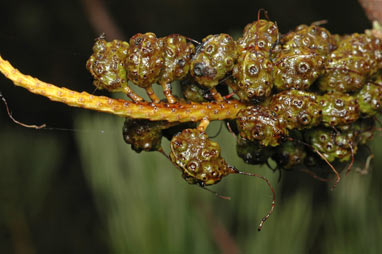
<point x="107" y="64"/>
<point x="198" y="157"/>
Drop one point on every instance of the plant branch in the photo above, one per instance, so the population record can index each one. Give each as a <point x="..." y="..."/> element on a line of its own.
<point x="178" y="112"/>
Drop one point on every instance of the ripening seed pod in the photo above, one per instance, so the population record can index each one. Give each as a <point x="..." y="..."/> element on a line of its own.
<point x="297" y="68"/>
<point x="332" y="144"/>
<point x="369" y="99"/>
<point x="312" y="37"/>
<point x="107" y="64"/>
<point x="259" y="124"/>
<point x="253" y="75"/>
<point x="144" y="135"/>
<point x="339" y="109"/>
<point x="198" y="157"/>
<point x="298" y="109"/>
<point x="260" y="35"/>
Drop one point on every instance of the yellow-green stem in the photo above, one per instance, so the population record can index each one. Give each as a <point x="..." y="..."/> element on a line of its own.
<point x="177" y="112"/>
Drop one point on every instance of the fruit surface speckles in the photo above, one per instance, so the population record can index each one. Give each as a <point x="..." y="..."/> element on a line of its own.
<point x="253" y="74"/>
<point x="107" y="65"/>
<point x="298" y="109"/>
<point x="339" y="109"/>
<point x="145" y="60"/>
<point x="177" y="54"/>
<point x="259" y="124"/>
<point x="357" y="57"/>
<point x="331" y="144"/>
<point x="369" y="99"/>
<point x="297" y="69"/>
<point x="213" y="59"/>
<point x="198" y="157"/>
<point x="260" y="35"/>
<point x="312" y="37"/>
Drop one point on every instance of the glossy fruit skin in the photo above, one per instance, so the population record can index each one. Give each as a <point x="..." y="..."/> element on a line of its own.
<point x="313" y="37"/>
<point x="339" y="109"/>
<point x="259" y="124"/>
<point x="356" y="59"/>
<point x="198" y="157"/>
<point x="252" y="153"/>
<point x="260" y="35"/>
<point x="213" y="59"/>
<point x="142" y="134"/>
<point x="297" y="68"/>
<point x="331" y="144"/>
<point x="253" y="76"/>
<point x="144" y="59"/>
<point x="177" y="53"/>
<point x="369" y="99"/>
<point x="298" y="109"/>
<point x="107" y="64"/>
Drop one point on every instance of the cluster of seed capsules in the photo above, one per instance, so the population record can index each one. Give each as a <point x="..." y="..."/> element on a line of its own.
<point x="308" y="94"/>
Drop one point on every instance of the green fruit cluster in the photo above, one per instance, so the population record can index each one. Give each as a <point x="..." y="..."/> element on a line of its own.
<point x="326" y="88"/>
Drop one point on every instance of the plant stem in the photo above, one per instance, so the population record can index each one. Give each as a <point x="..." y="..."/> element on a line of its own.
<point x="177" y="112"/>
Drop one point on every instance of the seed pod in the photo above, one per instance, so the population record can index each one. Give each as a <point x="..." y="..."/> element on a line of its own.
<point x="260" y="35"/>
<point x="312" y="37"/>
<point x="369" y="99"/>
<point x="143" y="135"/>
<point x="258" y="124"/>
<point x="356" y="59"/>
<point x="252" y="153"/>
<point x="107" y="65"/>
<point x="297" y="68"/>
<point x="289" y="154"/>
<point x="213" y="59"/>
<point x="177" y="54"/>
<point x="145" y="59"/>
<point x="198" y="157"/>
<point x="298" y="109"/>
<point x="177" y="57"/>
<point x="339" y="109"/>
<point x="253" y="74"/>
<point x="331" y="144"/>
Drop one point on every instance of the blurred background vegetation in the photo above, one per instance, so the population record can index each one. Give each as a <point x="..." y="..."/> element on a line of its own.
<point x="77" y="188"/>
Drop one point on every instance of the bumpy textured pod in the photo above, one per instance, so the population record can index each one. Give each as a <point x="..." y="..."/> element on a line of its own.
<point x="339" y="109"/>
<point x="145" y="60"/>
<point x="198" y="157"/>
<point x="253" y="76"/>
<point x="297" y="68"/>
<point x="143" y="135"/>
<point x="177" y="54"/>
<point x="356" y="59"/>
<point x="213" y="59"/>
<point x="260" y="35"/>
<point x="312" y="37"/>
<point x="331" y="144"/>
<point x="369" y="99"/>
<point x="259" y="124"/>
<point x="298" y="109"/>
<point x="107" y="64"/>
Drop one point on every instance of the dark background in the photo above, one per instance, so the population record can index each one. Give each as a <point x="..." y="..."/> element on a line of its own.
<point x="57" y="210"/>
